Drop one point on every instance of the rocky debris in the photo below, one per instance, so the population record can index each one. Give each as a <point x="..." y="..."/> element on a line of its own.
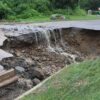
<point x="26" y="38"/>
<point x="49" y="70"/>
<point x="18" y="54"/>
<point x="13" y="62"/>
<point x="30" y="61"/>
<point x="25" y="83"/>
<point x="35" y="63"/>
<point x="79" y="59"/>
<point x="36" y="81"/>
<point x="20" y="69"/>
<point x="21" y="40"/>
<point x="36" y="58"/>
<point x="37" y="73"/>
<point x="10" y="92"/>
<point x="15" y="29"/>
<point x="57" y="17"/>
<point x="1" y="68"/>
<point x="2" y="38"/>
<point x="4" y="54"/>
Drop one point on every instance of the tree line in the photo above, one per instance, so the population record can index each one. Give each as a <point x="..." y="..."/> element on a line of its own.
<point x="28" y="8"/>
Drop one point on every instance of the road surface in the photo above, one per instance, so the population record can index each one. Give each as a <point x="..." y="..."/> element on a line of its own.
<point x="85" y="24"/>
<point x="16" y="29"/>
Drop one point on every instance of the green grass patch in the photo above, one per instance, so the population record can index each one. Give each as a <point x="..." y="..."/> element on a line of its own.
<point x="34" y="19"/>
<point x="87" y="17"/>
<point x="47" y="18"/>
<point x="76" y="82"/>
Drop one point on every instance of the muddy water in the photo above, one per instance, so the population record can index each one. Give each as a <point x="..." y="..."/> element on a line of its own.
<point x="39" y="54"/>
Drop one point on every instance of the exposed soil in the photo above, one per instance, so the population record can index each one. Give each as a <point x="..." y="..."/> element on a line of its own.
<point x="38" y="63"/>
<point x="87" y="42"/>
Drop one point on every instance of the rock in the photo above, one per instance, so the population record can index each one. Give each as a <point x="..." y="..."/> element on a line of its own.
<point x="26" y="38"/>
<point x="18" y="53"/>
<point x="36" y="58"/>
<point x="57" y="17"/>
<point x="37" y="73"/>
<point x="2" y="38"/>
<point x="44" y="58"/>
<point x="12" y="51"/>
<point x="48" y="70"/>
<point x="78" y="59"/>
<point x="25" y="83"/>
<point x="36" y="81"/>
<point x="20" y="69"/>
<point x="30" y="61"/>
<point x="23" y="51"/>
<point x="70" y="60"/>
<point x="20" y="38"/>
<point x="1" y="68"/>
<point x="15" y="29"/>
<point x="4" y="54"/>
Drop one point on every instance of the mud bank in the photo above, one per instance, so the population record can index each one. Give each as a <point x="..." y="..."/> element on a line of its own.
<point x="39" y="54"/>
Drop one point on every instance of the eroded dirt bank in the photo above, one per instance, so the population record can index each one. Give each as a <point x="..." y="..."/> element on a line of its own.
<point x="37" y="56"/>
<point x="87" y="42"/>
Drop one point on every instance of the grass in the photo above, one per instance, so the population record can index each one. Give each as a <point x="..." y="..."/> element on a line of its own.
<point x="47" y="18"/>
<point x="76" y="82"/>
<point x="35" y="19"/>
<point x="87" y="17"/>
<point x="70" y="17"/>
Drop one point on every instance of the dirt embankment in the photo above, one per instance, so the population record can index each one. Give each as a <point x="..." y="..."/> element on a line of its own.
<point x="87" y="42"/>
<point x="34" y="62"/>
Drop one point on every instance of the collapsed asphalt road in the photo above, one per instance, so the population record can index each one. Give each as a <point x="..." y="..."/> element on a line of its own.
<point x="37" y="50"/>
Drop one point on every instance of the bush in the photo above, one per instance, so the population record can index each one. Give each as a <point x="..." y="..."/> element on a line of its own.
<point x="69" y="11"/>
<point x="29" y="13"/>
<point x="78" y="11"/>
<point x="21" y="8"/>
<point x="4" y="10"/>
<point x="96" y="12"/>
<point x="11" y="17"/>
<point x="61" y="11"/>
<point x="42" y="6"/>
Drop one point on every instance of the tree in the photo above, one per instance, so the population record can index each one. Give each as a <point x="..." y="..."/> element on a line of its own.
<point x="4" y="10"/>
<point x="64" y="3"/>
<point x="90" y="4"/>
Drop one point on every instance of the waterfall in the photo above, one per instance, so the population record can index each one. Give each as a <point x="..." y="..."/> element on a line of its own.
<point x="45" y="37"/>
<point x="61" y="39"/>
<point x="49" y="38"/>
<point x="54" y="36"/>
<point x="36" y="38"/>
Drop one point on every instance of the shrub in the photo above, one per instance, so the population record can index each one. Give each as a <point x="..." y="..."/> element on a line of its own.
<point x="11" y="17"/>
<point x="29" y="13"/>
<point x="21" y="8"/>
<point x="4" y="10"/>
<point x="42" y="6"/>
<point x="78" y="11"/>
<point x="61" y="11"/>
<point x="96" y="12"/>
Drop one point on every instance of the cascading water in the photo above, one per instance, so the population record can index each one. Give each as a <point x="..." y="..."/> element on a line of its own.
<point x="36" y="39"/>
<point x="53" y="41"/>
<point x="61" y="39"/>
<point x="46" y="34"/>
<point x="47" y="38"/>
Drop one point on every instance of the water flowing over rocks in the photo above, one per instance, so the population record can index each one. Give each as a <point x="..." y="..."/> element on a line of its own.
<point x="38" y="52"/>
